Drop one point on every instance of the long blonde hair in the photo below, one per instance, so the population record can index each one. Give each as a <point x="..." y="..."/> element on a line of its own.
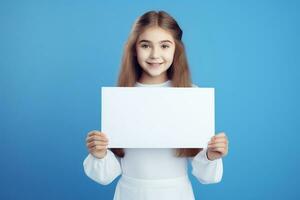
<point x="178" y="73"/>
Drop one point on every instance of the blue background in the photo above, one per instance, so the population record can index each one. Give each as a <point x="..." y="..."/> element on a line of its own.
<point x="56" y="55"/>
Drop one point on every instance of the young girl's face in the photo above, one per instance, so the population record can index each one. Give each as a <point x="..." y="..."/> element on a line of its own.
<point x="155" y="49"/>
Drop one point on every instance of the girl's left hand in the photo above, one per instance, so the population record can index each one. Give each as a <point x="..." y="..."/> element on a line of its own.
<point x="217" y="147"/>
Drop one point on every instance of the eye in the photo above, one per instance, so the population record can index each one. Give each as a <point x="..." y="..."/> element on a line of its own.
<point x="165" y="46"/>
<point x="145" y="46"/>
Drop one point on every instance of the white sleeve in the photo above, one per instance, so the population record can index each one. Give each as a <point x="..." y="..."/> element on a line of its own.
<point x="104" y="170"/>
<point x="207" y="171"/>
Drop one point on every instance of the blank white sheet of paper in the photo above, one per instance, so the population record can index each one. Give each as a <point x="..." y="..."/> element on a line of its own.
<point x="139" y="117"/>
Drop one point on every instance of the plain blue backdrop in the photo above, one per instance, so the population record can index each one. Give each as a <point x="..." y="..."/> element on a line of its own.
<point x="56" y="55"/>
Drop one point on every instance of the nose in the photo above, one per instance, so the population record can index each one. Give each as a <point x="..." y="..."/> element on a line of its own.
<point x="154" y="53"/>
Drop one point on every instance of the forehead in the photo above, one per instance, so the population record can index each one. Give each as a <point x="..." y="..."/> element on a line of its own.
<point x="155" y="34"/>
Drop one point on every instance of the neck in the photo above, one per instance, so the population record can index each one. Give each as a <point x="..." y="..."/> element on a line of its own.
<point x="146" y="79"/>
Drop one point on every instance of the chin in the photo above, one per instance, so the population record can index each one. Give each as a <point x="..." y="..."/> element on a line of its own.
<point x="154" y="74"/>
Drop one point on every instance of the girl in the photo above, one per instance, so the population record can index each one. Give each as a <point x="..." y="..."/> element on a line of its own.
<point x="154" y="56"/>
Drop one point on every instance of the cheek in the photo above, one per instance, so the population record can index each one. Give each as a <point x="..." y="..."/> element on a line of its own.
<point x="170" y="56"/>
<point x="141" y="54"/>
<point x="140" y="57"/>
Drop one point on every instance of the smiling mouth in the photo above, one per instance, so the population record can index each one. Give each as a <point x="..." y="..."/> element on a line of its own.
<point x="154" y="64"/>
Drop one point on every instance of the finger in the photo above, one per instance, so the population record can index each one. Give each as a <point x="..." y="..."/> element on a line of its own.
<point x="96" y="133"/>
<point x="94" y="151"/>
<point x="216" y="145"/>
<point x="92" y="146"/>
<point x="218" y="140"/>
<point x="93" y="132"/>
<point x="217" y="136"/>
<point x="97" y="148"/>
<point x="221" y="134"/>
<point x="218" y="149"/>
<point x="103" y="134"/>
<point x="95" y="143"/>
<point x="221" y="150"/>
<point x="97" y="138"/>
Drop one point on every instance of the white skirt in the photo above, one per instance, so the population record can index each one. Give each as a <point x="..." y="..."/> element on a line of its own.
<point x="129" y="188"/>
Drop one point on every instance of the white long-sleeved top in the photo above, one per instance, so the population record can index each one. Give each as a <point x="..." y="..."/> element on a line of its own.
<point x="152" y="167"/>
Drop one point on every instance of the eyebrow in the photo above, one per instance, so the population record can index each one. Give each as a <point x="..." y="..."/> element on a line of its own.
<point x="159" y="42"/>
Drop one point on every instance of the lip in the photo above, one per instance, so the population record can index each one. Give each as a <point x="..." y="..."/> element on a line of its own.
<point x="154" y="63"/>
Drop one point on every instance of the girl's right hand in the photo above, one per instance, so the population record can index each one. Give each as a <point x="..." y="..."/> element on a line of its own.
<point x="96" y="143"/>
